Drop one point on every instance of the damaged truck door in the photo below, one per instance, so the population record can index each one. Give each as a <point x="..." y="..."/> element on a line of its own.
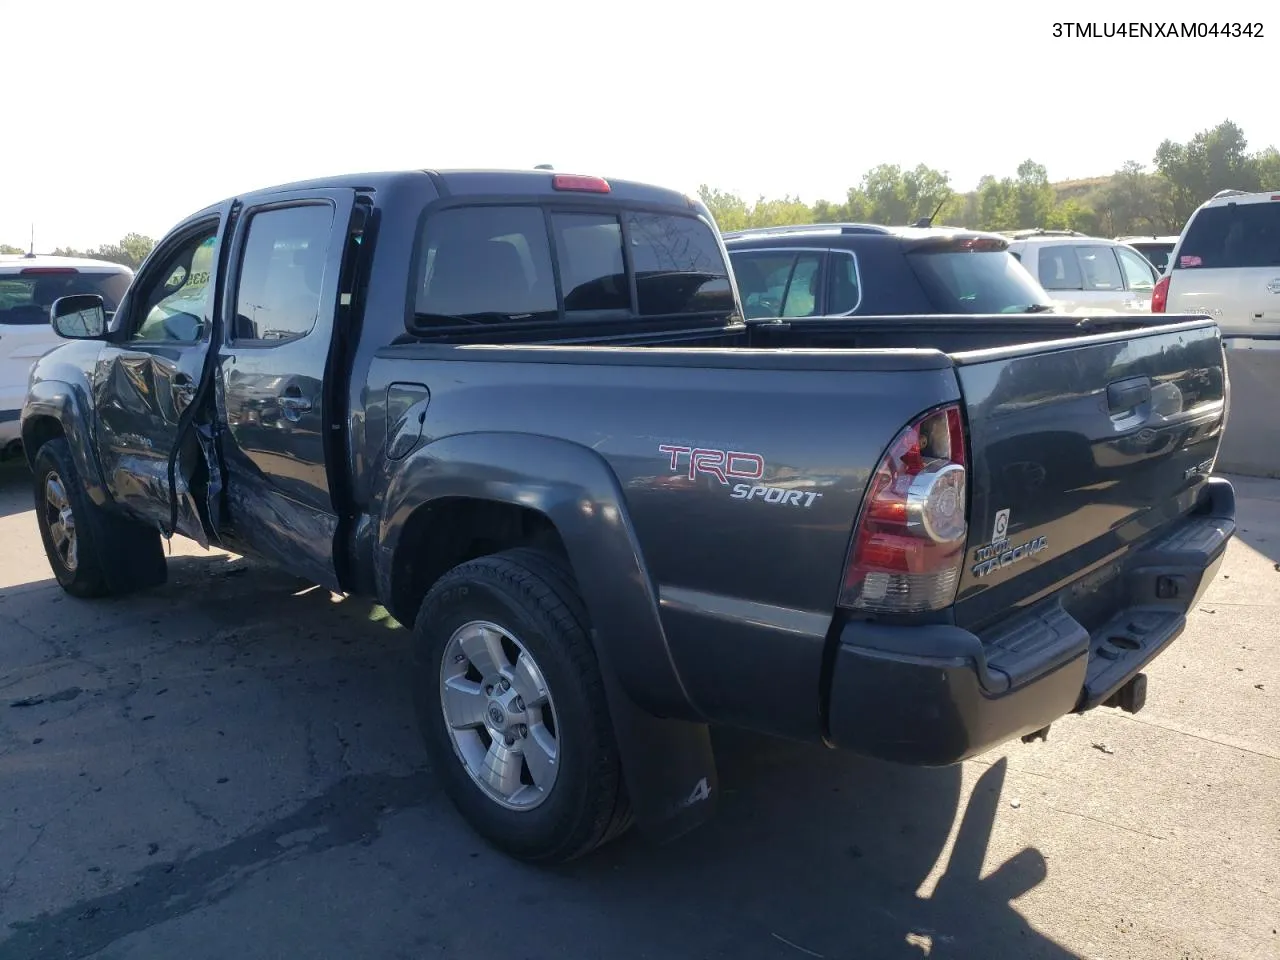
<point x="156" y="458"/>
<point x="285" y="289"/>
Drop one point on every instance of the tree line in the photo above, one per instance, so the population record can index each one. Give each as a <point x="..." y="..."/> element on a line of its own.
<point x="1132" y="201"/>
<point x="131" y="250"/>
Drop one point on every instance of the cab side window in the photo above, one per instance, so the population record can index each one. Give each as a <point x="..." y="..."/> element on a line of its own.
<point x="174" y="297"/>
<point x="1099" y="268"/>
<point x="1138" y="273"/>
<point x="282" y="272"/>
<point x="1058" y="268"/>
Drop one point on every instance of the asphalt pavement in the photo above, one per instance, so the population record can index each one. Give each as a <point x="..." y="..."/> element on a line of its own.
<point x="228" y="767"/>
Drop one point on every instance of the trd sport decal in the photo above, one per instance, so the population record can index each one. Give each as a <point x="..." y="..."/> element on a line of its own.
<point x="729" y="465"/>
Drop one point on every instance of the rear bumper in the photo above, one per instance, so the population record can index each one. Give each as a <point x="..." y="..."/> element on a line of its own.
<point x="935" y="695"/>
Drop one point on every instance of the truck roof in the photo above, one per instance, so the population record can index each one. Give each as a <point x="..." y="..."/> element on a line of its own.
<point x="515" y="183"/>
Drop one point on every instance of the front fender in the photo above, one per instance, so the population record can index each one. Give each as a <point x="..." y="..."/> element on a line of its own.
<point x="69" y="404"/>
<point x="577" y="491"/>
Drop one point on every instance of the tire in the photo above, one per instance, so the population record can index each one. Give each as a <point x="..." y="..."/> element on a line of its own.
<point x="528" y="602"/>
<point x="105" y="555"/>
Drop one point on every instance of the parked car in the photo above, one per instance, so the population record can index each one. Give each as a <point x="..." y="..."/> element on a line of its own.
<point x="1084" y="274"/>
<point x="848" y="269"/>
<point x="29" y="285"/>
<point x="1155" y="249"/>
<point x="1227" y="265"/>
<point x="523" y="410"/>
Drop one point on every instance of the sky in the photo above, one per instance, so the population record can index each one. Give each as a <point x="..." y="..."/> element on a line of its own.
<point x="127" y="115"/>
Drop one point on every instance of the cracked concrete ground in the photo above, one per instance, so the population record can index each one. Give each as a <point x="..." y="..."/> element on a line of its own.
<point x="227" y="767"/>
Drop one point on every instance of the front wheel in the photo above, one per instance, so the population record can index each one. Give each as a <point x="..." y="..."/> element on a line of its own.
<point x="92" y="553"/>
<point x="512" y="708"/>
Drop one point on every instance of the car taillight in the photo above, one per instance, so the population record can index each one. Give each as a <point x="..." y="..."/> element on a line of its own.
<point x="908" y="548"/>
<point x="1160" y="295"/>
<point x="48" y="271"/>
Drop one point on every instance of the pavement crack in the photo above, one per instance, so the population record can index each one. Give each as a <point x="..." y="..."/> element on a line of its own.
<point x="1104" y="822"/>
<point x="1196" y="736"/>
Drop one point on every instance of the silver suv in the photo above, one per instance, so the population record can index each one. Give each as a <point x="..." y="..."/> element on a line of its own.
<point x="1227" y="265"/>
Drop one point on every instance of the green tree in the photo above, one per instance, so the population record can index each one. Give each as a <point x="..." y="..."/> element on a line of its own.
<point x="731" y="212"/>
<point x="130" y="251"/>
<point x="1029" y="196"/>
<point x="1212" y="160"/>
<point x="6" y="248"/>
<point x="1268" y="162"/>
<point x="1131" y="202"/>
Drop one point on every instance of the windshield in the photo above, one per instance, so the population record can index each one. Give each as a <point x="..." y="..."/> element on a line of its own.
<point x="987" y="281"/>
<point x="1234" y="235"/>
<point x="26" y="296"/>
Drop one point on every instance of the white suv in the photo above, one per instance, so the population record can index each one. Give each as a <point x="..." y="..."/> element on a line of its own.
<point x="1084" y="274"/>
<point x="1227" y="265"/>
<point x="28" y="286"/>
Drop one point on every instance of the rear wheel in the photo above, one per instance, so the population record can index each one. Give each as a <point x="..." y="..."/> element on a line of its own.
<point x="512" y="708"/>
<point x="92" y="552"/>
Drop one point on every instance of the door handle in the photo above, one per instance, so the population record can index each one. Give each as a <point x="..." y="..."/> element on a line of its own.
<point x="1126" y="395"/>
<point x="293" y="405"/>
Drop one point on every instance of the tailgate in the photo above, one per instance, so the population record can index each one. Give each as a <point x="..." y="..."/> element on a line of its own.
<point x="1243" y="301"/>
<point x="1080" y="449"/>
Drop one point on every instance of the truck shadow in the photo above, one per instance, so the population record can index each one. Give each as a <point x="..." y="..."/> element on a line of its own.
<point x="1258" y="514"/>
<point x="15" y="487"/>
<point x="813" y="853"/>
<point x="823" y="854"/>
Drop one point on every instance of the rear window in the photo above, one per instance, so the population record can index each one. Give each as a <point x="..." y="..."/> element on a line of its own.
<point x="1157" y="253"/>
<point x="1234" y="235"/>
<point x="679" y="268"/>
<point x="989" y="281"/>
<point x="494" y="264"/>
<point x="25" y="297"/>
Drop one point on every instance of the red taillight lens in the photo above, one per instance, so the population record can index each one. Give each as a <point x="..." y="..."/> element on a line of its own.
<point x="1160" y="295"/>
<point x="569" y="181"/>
<point x="33" y="271"/>
<point x="909" y="544"/>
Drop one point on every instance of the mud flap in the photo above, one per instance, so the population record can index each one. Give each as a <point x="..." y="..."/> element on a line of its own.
<point x="669" y="766"/>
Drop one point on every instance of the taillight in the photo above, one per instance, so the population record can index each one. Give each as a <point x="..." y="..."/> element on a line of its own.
<point x="1160" y="295"/>
<point x="908" y="548"/>
<point x="37" y="271"/>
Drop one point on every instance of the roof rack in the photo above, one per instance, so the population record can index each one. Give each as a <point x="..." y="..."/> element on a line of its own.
<point x="847" y="228"/>
<point x="1041" y="232"/>
<point x="1230" y="192"/>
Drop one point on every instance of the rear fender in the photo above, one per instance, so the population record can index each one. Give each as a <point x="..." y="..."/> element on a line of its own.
<point x="668" y="763"/>
<point x="68" y="404"/>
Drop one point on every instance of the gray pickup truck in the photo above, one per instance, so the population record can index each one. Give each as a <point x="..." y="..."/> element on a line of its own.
<point x="524" y="412"/>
